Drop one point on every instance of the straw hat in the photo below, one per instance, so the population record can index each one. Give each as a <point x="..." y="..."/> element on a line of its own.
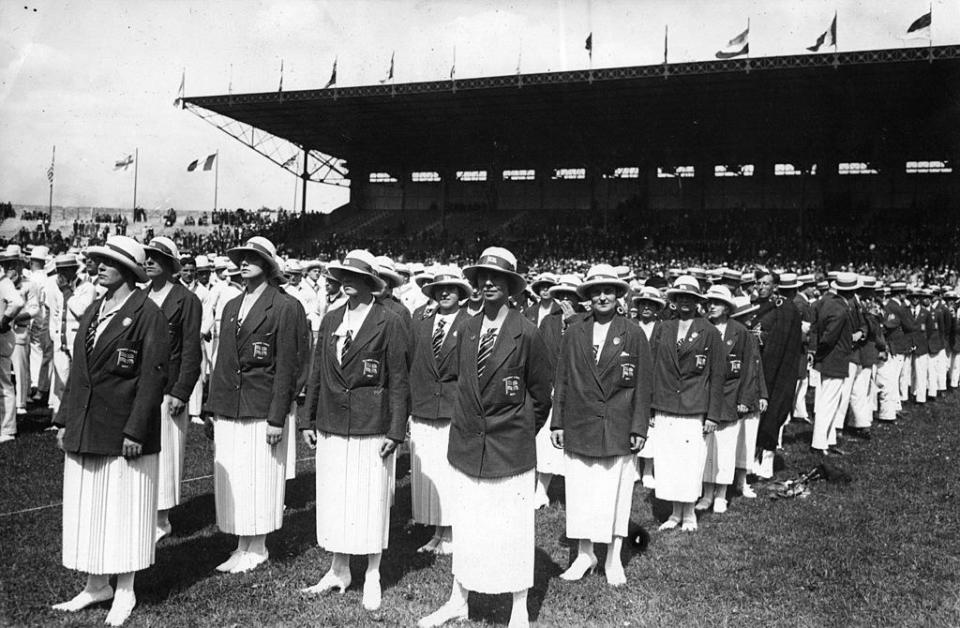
<point x="263" y="248"/>
<point x="548" y="279"/>
<point x="292" y="267"/>
<point x="203" y="263"/>
<point x="845" y="282"/>
<point x="743" y="307"/>
<point x="720" y="293"/>
<point x="789" y="281"/>
<point x="649" y="293"/>
<point x="167" y="248"/>
<point x="602" y="275"/>
<point x="566" y="286"/>
<point x="66" y="260"/>
<point x="500" y="260"/>
<point x="358" y="262"/>
<point x="807" y="279"/>
<point x="40" y="253"/>
<point x="685" y="284"/>
<point x="124" y="250"/>
<point x="388" y="271"/>
<point x="447" y="276"/>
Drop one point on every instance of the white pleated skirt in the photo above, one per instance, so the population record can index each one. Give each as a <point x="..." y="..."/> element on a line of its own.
<point x="431" y="476"/>
<point x="109" y="513"/>
<point x="173" y="446"/>
<point x="679" y="457"/>
<point x="650" y="444"/>
<point x="747" y="428"/>
<point x="599" y="496"/>
<point x="291" y="429"/>
<point x="249" y="477"/>
<point x="354" y="494"/>
<point x="493" y="539"/>
<point x="195" y="403"/>
<point x="721" y="459"/>
<point x="549" y="458"/>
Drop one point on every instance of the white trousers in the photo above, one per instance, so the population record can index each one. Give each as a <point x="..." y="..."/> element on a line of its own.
<point x="827" y="411"/>
<point x="41" y="356"/>
<point x="21" y="369"/>
<point x="938" y="375"/>
<point x="721" y="456"/>
<point x="800" y="402"/>
<point x="8" y="424"/>
<point x="906" y="373"/>
<point x="861" y="402"/>
<point x="888" y="387"/>
<point x="61" y="369"/>
<point x="955" y="370"/>
<point x="920" y="378"/>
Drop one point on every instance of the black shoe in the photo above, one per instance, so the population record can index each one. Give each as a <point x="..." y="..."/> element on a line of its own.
<point x="833" y="451"/>
<point x="820" y="452"/>
<point x="861" y="433"/>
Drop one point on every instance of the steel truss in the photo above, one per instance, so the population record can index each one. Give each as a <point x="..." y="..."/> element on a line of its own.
<point x="320" y="168"/>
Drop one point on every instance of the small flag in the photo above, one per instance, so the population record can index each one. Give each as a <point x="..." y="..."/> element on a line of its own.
<point x="920" y="28"/>
<point x="333" y="75"/>
<point x="739" y="45"/>
<point x="122" y="164"/>
<point x="208" y="163"/>
<point x="290" y="162"/>
<point x="280" y="88"/>
<point x="50" y="172"/>
<point x="390" y="73"/>
<point x="827" y="38"/>
<point x="192" y="165"/>
<point x="519" y="59"/>
<point x="453" y="68"/>
<point x="179" y="98"/>
<point x="666" y="30"/>
<point x="588" y="45"/>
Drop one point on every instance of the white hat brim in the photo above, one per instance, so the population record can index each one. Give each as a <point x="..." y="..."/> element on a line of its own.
<point x="622" y="286"/>
<point x="102" y="251"/>
<point x="338" y="270"/>
<point x="519" y="283"/>
<point x="235" y="254"/>
<point x="428" y="288"/>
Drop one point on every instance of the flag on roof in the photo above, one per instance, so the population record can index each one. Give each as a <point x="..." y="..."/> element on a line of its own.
<point x="390" y="73"/>
<point x="920" y="27"/>
<point x="121" y="164"/>
<point x="739" y="45"/>
<point x="588" y="45"/>
<point x="290" y="162"/>
<point x="827" y="37"/>
<point x="207" y="163"/>
<point x="333" y="75"/>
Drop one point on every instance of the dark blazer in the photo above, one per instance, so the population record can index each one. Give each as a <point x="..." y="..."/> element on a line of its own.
<point x="183" y="312"/>
<point x="553" y="329"/>
<point x="858" y="322"/>
<point x="368" y="394"/>
<point x="600" y="405"/>
<point x="531" y="312"/>
<point x="496" y="418"/>
<point x="257" y="367"/>
<point x="834" y="337"/>
<point x="433" y="383"/>
<point x="688" y="380"/>
<point x="754" y="387"/>
<point x="117" y="391"/>
<point x="898" y="325"/>
<point x="738" y="356"/>
<point x="935" y="327"/>
<point x="921" y="342"/>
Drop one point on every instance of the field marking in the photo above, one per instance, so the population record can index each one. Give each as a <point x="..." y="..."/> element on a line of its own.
<point x="54" y="505"/>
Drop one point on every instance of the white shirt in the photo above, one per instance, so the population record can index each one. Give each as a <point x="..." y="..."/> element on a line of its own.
<point x="104" y="316"/>
<point x="721" y="327"/>
<point x="543" y="312"/>
<point x="158" y="296"/>
<point x="647" y="328"/>
<point x="493" y="324"/>
<point x="352" y="322"/>
<point x="447" y="322"/>
<point x="249" y="298"/>
<point x="599" y="338"/>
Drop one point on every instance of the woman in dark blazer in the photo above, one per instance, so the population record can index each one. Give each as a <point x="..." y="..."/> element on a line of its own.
<point x="689" y="366"/>
<point x="251" y="390"/>
<point x="182" y="310"/>
<point x="600" y="415"/>
<point x="109" y="428"/>
<point x="503" y="399"/>
<point x="433" y="391"/>
<point x="357" y="413"/>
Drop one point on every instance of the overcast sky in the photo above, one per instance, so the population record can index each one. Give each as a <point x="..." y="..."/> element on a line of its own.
<point x="97" y="78"/>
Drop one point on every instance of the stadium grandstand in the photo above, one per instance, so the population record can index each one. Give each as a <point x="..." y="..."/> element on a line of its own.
<point x="786" y="145"/>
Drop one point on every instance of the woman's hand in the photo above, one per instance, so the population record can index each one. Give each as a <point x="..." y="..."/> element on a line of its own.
<point x="387" y="447"/>
<point x="709" y="426"/>
<point x="556" y="437"/>
<point x="131" y="448"/>
<point x="274" y="434"/>
<point x="763" y="406"/>
<point x="60" y="431"/>
<point x="175" y="406"/>
<point x="309" y="437"/>
<point x="637" y="442"/>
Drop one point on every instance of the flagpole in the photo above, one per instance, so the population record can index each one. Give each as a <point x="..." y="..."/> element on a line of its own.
<point x="216" y="178"/>
<point x="53" y="157"/>
<point x="930" y="40"/>
<point x="136" y="171"/>
<point x="306" y="175"/>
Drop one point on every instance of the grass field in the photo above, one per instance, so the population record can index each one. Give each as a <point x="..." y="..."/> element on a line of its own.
<point x="883" y="550"/>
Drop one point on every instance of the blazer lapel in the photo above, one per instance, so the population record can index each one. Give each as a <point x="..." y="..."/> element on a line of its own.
<point x="504" y="345"/>
<point x="453" y="336"/>
<point x="256" y="314"/>
<point x="116" y="326"/>
<point x="336" y="317"/>
<point x="584" y="340"/>
<point x="368" y="330"/>
<point x="613" y="344"/>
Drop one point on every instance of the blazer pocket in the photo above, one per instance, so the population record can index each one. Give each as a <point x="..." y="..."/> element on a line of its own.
<point x="371" y="367"/>
<point x="627" y="376"/>
<point x="259" y="350"/>
<point x="126" y="359"/>
<point x="511" y="388"/>
<point x="735" y="364"/>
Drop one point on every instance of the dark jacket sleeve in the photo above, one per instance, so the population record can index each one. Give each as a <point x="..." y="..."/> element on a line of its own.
<point x="287" y="365"/>
<point x="398" y="383"/>
<point x="560" y="383"/>
<point x="718" y="371"/>
<point x="308" y="417"/>
<point x="153" y="376"/>
<point x="643" y="390"/>
<point x="831" y="324"/>
<point x="539" y="377"/>
<point x="190" y="355"/>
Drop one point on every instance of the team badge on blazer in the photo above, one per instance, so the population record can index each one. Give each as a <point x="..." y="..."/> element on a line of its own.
<point x="616" y="340"/>
<point x="735" y="366"/>
<point x="127" y="321"/>
<point x="701" y="361"/>
<point x="511" y="385"/>
<point x="627" y="371"/>
<point x="371" y="368"/>
<point x="126" y="358"/>
<point x="261" y="350"/>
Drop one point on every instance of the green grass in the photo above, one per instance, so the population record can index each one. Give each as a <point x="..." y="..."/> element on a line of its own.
<point x="883" y="550"/>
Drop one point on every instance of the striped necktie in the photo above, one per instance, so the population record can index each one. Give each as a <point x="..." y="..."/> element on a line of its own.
<point x="485" y="349"/>
<point x="347" y="340"/>
<point x="91" y="338"/>
<point x="438" y="338"/>
<point x="596" y="350"/>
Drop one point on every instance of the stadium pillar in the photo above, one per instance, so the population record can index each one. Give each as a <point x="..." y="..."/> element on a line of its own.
<point x="305" y="176"/>
<point x="445" y="175"/>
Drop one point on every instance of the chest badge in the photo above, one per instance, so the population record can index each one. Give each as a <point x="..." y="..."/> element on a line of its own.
<point x="511" y="386"/>
<point x="126" y="358"/>
<point x="261" y="350"/>
<point x="616" y="340"/>
<point x="371" y="368"/>
<point x="701" y="361"/>
<point x="627" y="371"/>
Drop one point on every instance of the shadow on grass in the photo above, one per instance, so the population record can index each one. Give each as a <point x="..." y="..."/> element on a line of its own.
<point x="495" y="609"/>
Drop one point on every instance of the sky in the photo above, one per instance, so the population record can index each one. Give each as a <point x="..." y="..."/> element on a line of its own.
<point x="97" y="78"/>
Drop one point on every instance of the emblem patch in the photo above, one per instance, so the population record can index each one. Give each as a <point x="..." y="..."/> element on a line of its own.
<point x="616" y="340"/>
<point x="126" y="358"/>
<point x="261" y="350"/>
<point x="892" y="317"/>
<point x="126" y="321"/>
<point x="735" y="366"/>
<point x="511" y="386"/>
<point x="371" y="368"/>
<point x="701" y="361"/>
<point x="627" y="371"/>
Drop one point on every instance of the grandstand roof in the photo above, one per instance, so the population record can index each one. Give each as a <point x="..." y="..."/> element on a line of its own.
<point x="853" y="106"/>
